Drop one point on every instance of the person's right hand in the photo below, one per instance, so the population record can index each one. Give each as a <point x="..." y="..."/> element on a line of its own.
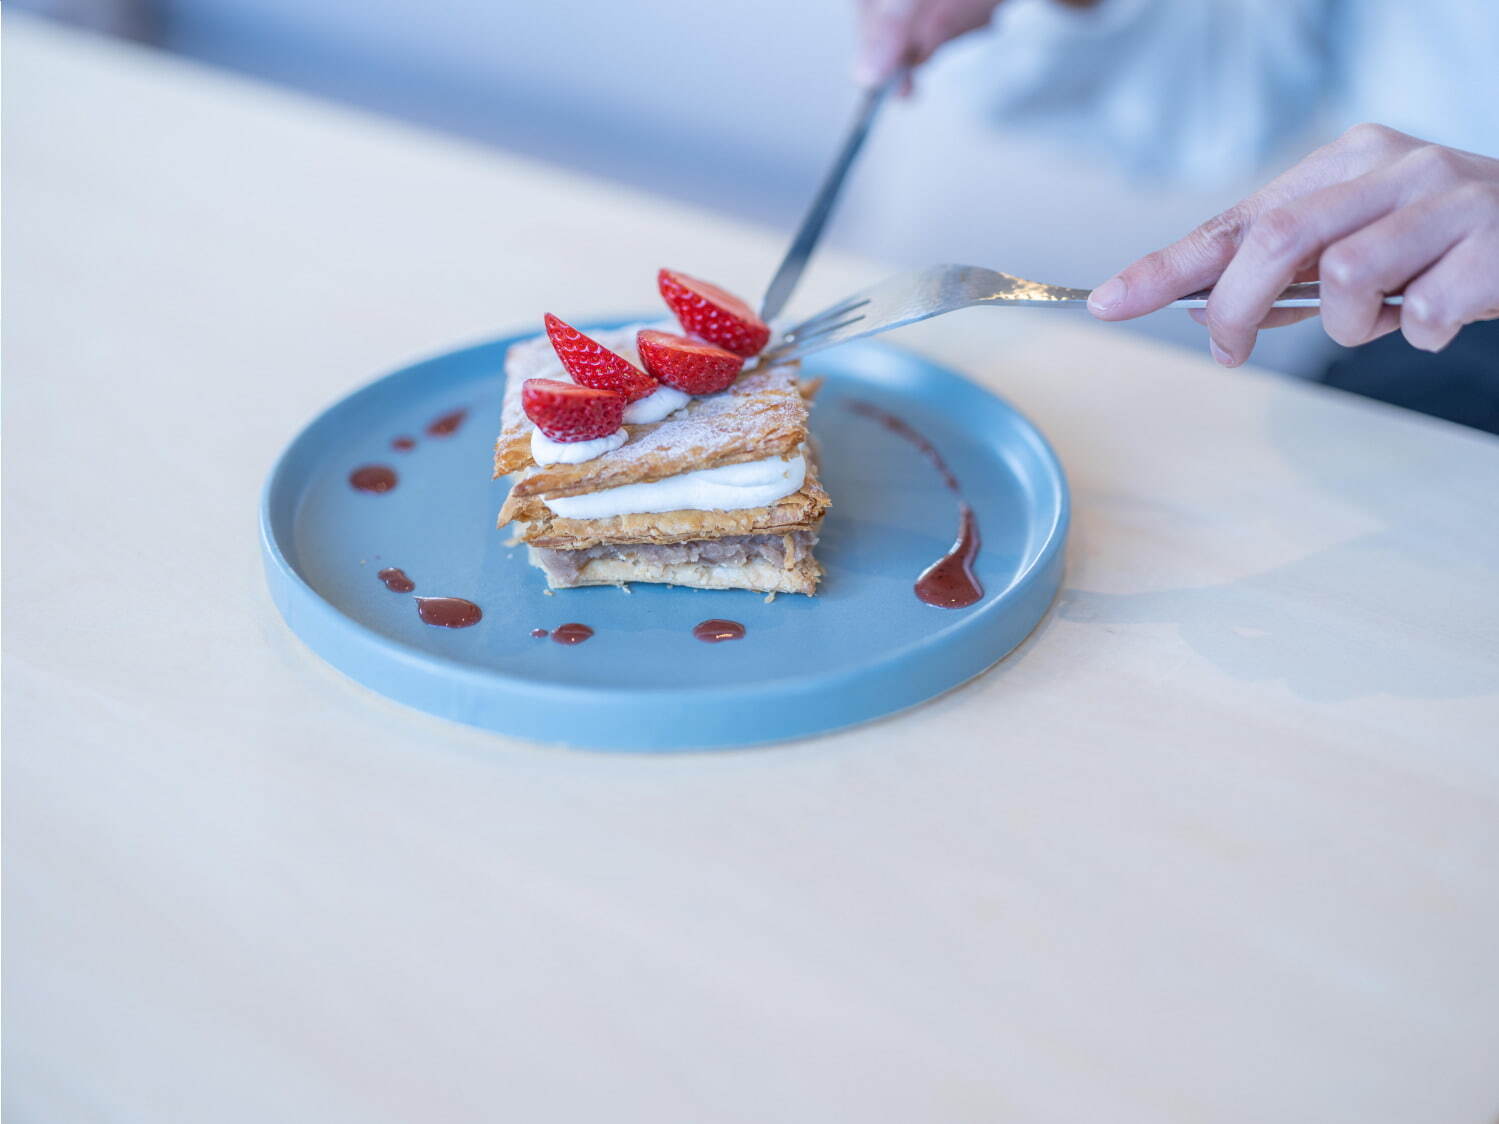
<point x="1374" y="212"/>
<point x="897" y="35"/>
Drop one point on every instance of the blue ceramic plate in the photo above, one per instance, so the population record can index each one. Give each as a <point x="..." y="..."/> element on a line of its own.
<point x="864" y="647"/>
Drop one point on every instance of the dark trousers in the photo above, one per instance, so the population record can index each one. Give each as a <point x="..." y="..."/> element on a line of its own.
<point x="1460" y="383"/>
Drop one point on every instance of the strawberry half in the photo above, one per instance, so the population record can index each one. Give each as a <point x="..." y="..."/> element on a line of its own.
<point x="590" y="363"/>
<point x="689" y="365"/>
<point x="567" y="412"/>
<point x="709" y="313"/>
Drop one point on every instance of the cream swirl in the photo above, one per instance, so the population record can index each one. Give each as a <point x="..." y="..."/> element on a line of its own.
<point x="546" y="451"/>
<point x="658" y="404"/>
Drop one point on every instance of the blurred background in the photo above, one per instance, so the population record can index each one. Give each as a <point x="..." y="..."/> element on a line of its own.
<point x="1055" y="164"/>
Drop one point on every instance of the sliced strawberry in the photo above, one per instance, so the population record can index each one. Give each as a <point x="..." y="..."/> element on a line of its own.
<point x="567" y="412"/>
<point x="709" y="313"/>
<point x="689" y="365"/>
<point x="590" y="363"/>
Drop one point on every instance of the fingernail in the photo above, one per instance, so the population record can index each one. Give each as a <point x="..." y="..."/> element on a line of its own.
<point x="1220" y="356"/>
<point x="864" y="75"/>
<point x="1107" y="295"/>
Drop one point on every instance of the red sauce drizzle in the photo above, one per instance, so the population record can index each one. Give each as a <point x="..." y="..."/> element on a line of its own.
<point x="899" y="426"/>
<point x="448" y="424"/>
<point x="539" y="633"/>
<point x="714" y="631"/>
<point x="448" y="612"/>
<point x="396" y="580"/>
<point x="373" y="478"/>
<point x="403" y="444"/>
<point x="949" y="582"/>
<point x="571" y="633"/>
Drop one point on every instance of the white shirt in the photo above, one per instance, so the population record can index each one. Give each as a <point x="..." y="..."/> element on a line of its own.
<point x="1206" y="89"/>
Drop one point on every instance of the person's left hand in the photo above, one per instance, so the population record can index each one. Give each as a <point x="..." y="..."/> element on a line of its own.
<point x="1375" y="212"/>
<point x="897" y="35"/>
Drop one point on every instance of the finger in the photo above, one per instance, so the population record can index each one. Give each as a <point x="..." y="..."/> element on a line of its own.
<point x="1197" y="260"/>
<point x="1358" y="271"/>
<point x="884" y="40"/>
<point x="1275" y="246"/>
<point x="1277" y="317"/>
<point x="1157" y="279"/>
<point x="1461" y="288"/>
<point x="941" y="21"/>
<point x="880" y="58"/>
<point x="1386" y="322"/>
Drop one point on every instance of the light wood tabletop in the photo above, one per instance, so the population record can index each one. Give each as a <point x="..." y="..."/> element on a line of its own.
<point x="1219" y="842"/>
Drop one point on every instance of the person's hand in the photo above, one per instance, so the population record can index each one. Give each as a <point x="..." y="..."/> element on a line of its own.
<point x="1375" y="212"/>
<point x="897" y="35"/>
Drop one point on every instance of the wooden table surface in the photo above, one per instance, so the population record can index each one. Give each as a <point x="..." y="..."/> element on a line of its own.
<point x="1220" y="842"/>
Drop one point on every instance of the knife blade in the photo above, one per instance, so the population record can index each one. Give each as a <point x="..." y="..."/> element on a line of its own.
<point x="795" y="261"/>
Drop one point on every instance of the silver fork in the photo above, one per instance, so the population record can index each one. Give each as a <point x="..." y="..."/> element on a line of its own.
<point x="937" y="289"/>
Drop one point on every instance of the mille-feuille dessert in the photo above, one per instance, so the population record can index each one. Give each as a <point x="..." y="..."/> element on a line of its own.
<point x="647" y="455"/>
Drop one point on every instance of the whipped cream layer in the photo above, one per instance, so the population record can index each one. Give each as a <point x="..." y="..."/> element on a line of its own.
<point x="546" y="451"/>
<point x="729" y="487"/>
<point x="659" y="404"/>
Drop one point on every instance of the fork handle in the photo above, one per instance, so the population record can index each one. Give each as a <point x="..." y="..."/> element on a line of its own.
<point x="1305" y="294"/>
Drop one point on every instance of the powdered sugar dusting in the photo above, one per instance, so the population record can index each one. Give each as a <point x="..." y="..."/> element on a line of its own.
<point x="759" y="402"/>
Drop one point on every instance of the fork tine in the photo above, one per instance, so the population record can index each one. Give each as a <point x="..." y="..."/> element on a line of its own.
<point x="813" y="322"/>
<point x="869" y="295"/>
<point x="790" y="350"/>
<point x="806" y="339"/>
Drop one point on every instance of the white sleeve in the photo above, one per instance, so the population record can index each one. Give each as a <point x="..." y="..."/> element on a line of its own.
<point x="1199" y="90"/>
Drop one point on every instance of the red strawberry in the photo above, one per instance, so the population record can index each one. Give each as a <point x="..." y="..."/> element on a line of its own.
<point x="711" y="314"/>
<point x="590" y="363"/>
<point x="566" y="412"/>
<point x="687" y="364"/>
